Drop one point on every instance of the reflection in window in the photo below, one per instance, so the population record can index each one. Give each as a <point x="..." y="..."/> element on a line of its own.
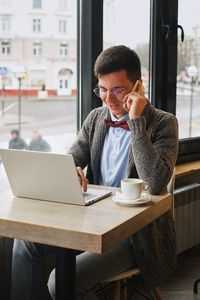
<point x="5" y="47"/>
<point x="188" y="71"/>
<point x="63" y="49"/>
<point x="36" y="25"/>
<point x="37" y="3"/>
<point x="37" y="49"/>
<point x="62" y="24"/>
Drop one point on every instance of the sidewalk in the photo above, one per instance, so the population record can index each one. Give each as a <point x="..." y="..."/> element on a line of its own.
<point x="26" y="98"/>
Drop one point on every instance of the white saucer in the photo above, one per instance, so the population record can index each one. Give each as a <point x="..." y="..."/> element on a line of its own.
<point x="118" y="198"/>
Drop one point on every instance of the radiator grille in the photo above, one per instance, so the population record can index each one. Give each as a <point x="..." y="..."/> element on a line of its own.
<point x="187" y="216"/>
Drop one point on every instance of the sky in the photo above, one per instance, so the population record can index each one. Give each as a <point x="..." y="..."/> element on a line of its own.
<point x="127" y="21"/>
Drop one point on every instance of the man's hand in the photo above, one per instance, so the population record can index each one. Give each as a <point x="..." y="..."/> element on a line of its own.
<point x="135" y="102"/>
<point x="83" y="180"/>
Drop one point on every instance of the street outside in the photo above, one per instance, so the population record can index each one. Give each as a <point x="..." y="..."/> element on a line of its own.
<point x="56" y="121"/>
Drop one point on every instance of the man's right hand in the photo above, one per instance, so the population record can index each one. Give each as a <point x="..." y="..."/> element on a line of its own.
<point x="83" y="180"/>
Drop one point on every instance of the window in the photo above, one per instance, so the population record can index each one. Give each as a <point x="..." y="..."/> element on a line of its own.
<point x="37" y="49"/>
<point x="118" y="21"/>
<point x="36" y="25"/>
<point x="37" y="3"/>
<point x="63" y="49"/>
<point x="51" y="73"/>
<point x="5" y="24"/>
<point x="188" y="71"/>
<point x="63" y="4"/>
<point x="62" y="26"/>
<point x="5" y="47"/>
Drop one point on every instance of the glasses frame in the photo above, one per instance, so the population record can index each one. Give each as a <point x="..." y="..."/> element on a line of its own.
<point x="121" y="91"/>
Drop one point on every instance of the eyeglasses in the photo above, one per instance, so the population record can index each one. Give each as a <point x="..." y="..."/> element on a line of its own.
<point x="101" y="92"/>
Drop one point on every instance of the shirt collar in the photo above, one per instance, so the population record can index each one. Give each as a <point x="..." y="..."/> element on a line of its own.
<point x="124" y="118"/>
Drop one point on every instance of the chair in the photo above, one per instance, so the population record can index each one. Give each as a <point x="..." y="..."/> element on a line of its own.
<point x="120" y="280"/>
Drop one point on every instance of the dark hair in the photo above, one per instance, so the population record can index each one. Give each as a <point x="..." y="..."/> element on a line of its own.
<point x="118" y="58"/>
<point x="16" y="131"/>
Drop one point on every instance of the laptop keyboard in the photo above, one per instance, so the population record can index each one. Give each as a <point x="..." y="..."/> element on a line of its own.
<point x="88" y="197"/>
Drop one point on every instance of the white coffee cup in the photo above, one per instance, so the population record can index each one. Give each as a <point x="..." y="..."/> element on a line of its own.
<point x="132" y="188"/>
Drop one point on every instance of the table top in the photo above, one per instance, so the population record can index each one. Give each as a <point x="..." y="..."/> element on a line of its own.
<point x="94" y="228"/>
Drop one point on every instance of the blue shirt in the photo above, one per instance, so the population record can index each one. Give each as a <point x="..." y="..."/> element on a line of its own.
<point x="114" y="156"/>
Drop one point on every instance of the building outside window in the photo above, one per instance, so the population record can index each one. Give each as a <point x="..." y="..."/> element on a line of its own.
<point x="5" y="47"/>
<point x="62" y="26"/>
<point x="63" y="4"/>
<point x="5" y="24"/>
<point x="37" y="48"/>
<point x="37" y="3"/>
<point x="63" y="49"/>
<point x="37" y="25"/>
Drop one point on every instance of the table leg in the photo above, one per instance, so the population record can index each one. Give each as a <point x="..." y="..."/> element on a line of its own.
<point x="65" y="274"/>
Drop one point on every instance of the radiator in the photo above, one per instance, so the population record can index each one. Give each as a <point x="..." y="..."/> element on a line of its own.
<point x="187" y="216"/>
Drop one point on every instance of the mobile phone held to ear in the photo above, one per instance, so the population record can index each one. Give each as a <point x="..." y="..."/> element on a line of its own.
<point x="137" y="88"/>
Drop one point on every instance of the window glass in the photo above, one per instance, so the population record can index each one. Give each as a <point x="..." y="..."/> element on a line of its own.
<point x="63" y="49"/>
<point x="62" y="26"/>
<point x="37" y="49"/>
<point x="37" y="3"/>
<point x="48" y="83"/>
<point x="188" y="70"/>
<point x="62" y="4"/>
<point x="5" y="48"/>
<point x="123" y="25"/>
<point x="36" y="25"/>
<point x="5" y="24"/>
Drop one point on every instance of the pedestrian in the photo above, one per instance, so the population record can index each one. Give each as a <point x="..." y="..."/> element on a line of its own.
<point x="16" y="142"/>
<point x="38" y="143"/>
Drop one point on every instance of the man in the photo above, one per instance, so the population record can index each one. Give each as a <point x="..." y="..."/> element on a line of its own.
<point x="145" y="146"/>
<point x="38" y="143"/>
<point x="16" y="142"/>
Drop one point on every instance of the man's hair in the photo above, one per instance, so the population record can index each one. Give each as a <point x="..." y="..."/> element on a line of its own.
<point x="118" y="58"/>
<point x="16" y="131"/>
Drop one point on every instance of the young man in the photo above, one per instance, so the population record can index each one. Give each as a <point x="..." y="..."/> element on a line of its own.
<point x="126" y="138"/>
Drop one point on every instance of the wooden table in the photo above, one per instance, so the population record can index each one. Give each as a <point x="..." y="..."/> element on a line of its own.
<point x="95" y="228"/>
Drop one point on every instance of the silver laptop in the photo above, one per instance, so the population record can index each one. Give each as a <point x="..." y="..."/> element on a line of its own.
<point x="46" y="176"/>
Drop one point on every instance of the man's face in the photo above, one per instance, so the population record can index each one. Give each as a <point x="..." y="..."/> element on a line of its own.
<point x="13" y="135"/>
<point x="113" y="88"/>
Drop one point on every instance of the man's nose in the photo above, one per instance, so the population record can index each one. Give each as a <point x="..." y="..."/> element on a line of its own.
<point x="109" y="97"/>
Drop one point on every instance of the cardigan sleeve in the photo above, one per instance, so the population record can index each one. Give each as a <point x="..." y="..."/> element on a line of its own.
<point x="155" y="157"/>
<point x="80" y="149"/>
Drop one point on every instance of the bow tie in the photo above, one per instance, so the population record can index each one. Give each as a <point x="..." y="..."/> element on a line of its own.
<point x="122" y="124"/>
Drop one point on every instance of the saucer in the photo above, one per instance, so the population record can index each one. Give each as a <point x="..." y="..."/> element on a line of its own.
<point x="143" y="200"/>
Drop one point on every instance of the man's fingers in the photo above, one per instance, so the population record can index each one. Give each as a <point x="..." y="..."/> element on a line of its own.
<point x="83" y="180"/>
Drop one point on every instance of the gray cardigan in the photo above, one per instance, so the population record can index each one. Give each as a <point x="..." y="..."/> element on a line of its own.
<point x="152" y="158"/>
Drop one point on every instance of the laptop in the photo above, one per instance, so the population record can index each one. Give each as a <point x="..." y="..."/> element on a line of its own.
<point x="47" y="176"/>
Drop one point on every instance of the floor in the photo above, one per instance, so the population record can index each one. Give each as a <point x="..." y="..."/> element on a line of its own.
<point x="180" y="285"/>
